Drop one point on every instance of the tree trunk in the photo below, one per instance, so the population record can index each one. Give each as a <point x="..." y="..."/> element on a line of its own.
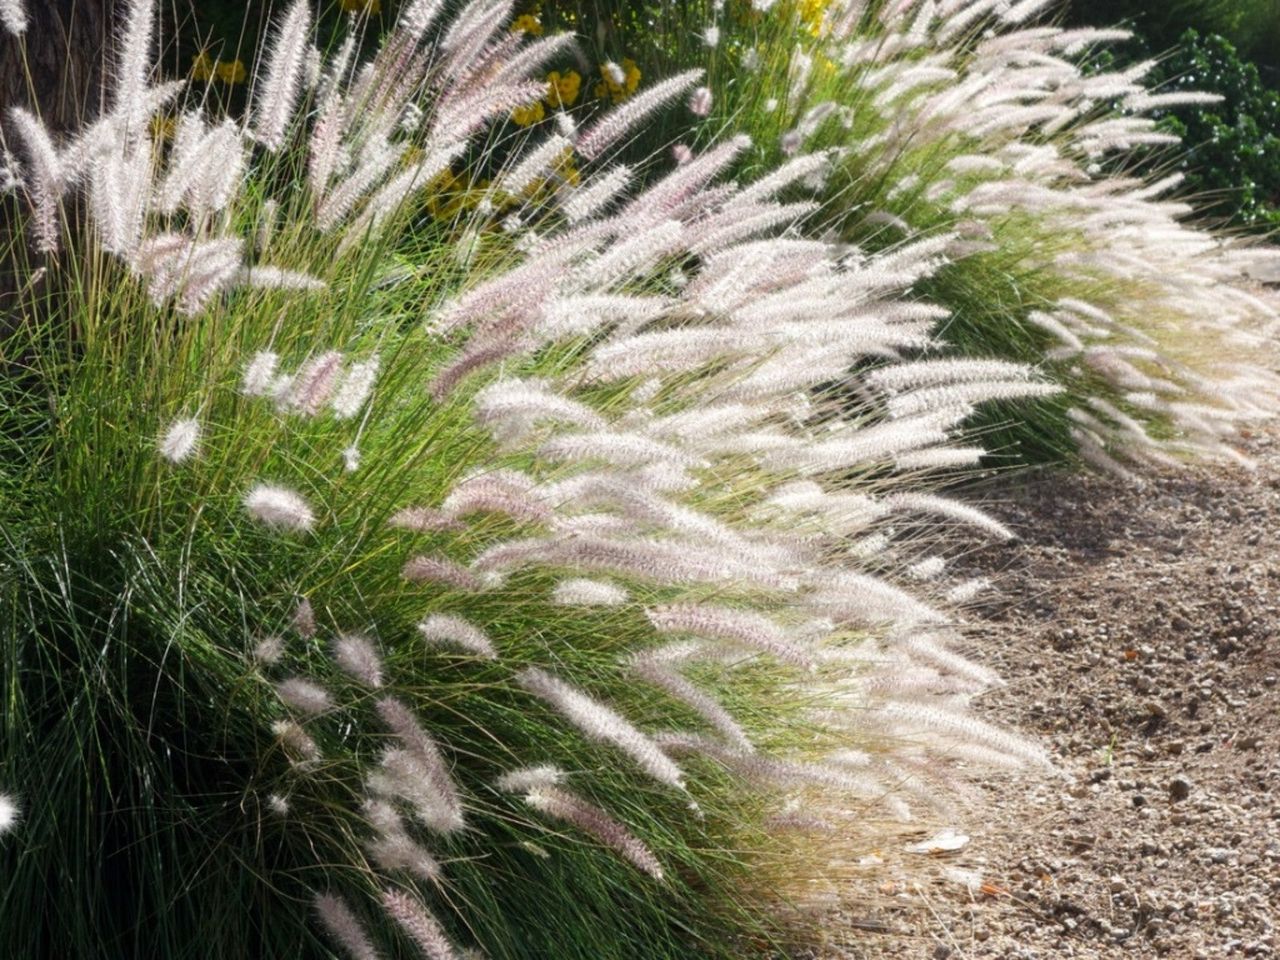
<point x="57" y="67"/>
<point x="56" y="71"/>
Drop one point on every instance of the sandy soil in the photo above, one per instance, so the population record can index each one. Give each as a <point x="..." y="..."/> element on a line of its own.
<point x="1143" y="646"/>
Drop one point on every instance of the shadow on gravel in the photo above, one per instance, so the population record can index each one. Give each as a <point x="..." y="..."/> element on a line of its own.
<point x="1142" y="642"/>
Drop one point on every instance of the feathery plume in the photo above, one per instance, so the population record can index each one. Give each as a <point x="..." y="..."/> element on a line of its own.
<point x="313" y="384"/>
<point x="607" y="131"/>
<point x="10" y="813"/>
<point x="424" y="569"/>
<point x="356" y="655"/>
<point x="798" y="169"/>
<point x="440" y="628"/>
<point x="940" y="458"/>
<point x="700" y="102"/>
<point x="423" y="520"/>
<point x="580" y="592"/>
<point x="180" y="441"/>
<point x="134" y="65"/>
<point x="278" y="508"/>
<point x="949" y="508"/>
<point x="581" y="203"/>
<point x="418" y="773"/>
<point x="563" y="805"/>
<point x="260" y="375"/>
<point x="501" y="491"/>
<point x="422" y="928"/>
<point x="657" y="670"/>
<point x="273" y="278"/>
<point x="936" y="373"/>
<point x="297" y="740"/>
<point x="376" y="160"/>
<point x="968" y="590"/>
<point x="45" y="177"/>
<point x="269" y="650"/>
<point x="908" y="719"/>
<point x="416" y="17"/>
<point x="534" y="165"/>
<point x="930" y="568"/>
<point x="355" y="388"/>
<point x="341" y="923"/>
<point x="274" y="101"/>
<point x="304" y="696"/>
<point x="393" y="849"/>
<point x="14" y="16"/>
<point x="736" y="626"/>
<point x="529" y="778"/>
<point x="304" y="619"/>
<point x="599" y="722"/>
<point x="966" y="395"/>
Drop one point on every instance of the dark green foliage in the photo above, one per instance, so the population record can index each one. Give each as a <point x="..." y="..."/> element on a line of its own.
<point x="1232" y="158"/>
<point x="1227" y="47"/>
<point x="1252" y="25"/>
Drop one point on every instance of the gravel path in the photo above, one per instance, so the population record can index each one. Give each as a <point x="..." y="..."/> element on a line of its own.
<point x="1144" y="648"/>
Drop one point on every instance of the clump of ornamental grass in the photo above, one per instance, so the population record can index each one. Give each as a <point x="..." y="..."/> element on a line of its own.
<point x="976" y="124"/>
<point x="380" y="586"/>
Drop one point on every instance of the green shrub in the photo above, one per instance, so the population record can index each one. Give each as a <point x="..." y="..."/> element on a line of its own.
<point x="1253" y="26"/>
<point x="772" y="69"/>
<point x="1231" y="153"/>
<point x="607" y="426"/>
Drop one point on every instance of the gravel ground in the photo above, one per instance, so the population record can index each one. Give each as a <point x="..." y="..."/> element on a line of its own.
<point x="1143" y="647"/>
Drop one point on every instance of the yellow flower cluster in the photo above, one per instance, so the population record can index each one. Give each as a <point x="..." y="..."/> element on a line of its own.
<point x="205" y="68"/>
<point x="454" y="194"/>
<point x="562" y="91"/>
<point x="529" y="114"/>
<point x="361" y="6"/>
<point x="527" y="23"/>
<point x="563" y="88"/>
<point x="618" y="81"/>
<point x="810" y="13"/>
<point x="813" y="14"/>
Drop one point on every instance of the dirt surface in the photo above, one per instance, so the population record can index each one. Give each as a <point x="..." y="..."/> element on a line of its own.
<point x="1142" y="645"/>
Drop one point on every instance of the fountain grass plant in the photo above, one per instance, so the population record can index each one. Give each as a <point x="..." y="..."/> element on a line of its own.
<point x="977" y="121"/>
<point x="387" y="584"/>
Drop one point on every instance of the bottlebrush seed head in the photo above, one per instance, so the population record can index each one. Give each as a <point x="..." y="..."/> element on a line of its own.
<point x="278" y="508"/>
<point x="180" y="441"/>
<point x="10" y="813"/>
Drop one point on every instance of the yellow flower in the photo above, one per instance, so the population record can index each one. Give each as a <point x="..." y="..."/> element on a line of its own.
<point x="813" y="14"/>
<point x="361" y="6"/>
<point x="230" y="71"/>
<point x="619" y="80"/>
<point x="202" y="67"/>
<point x="568" y="170"/>
<point x="633" y="75"/>
<point x="524" y="116"/>
<point x="527" y="23"/>
<point x="562" y="89"/>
